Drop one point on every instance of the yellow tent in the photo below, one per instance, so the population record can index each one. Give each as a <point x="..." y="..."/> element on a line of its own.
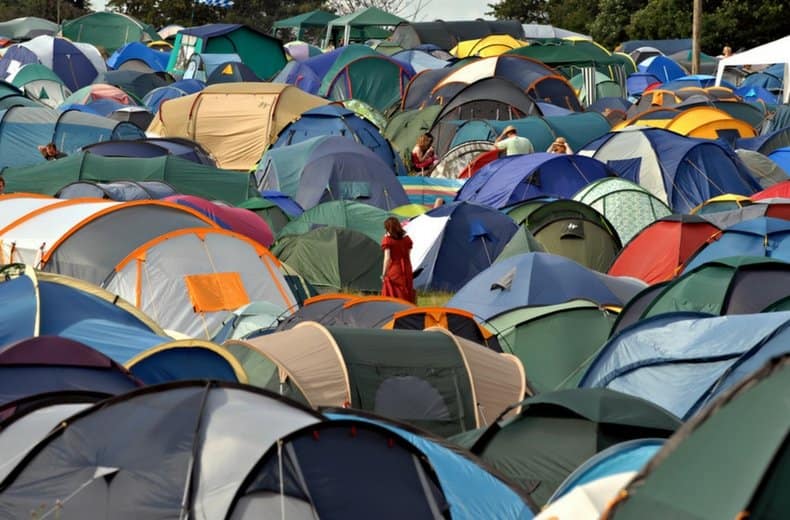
<point x="492" y="45"/>
<point x="708" y="123"/>
<point x="728" y="201"/>
<point x="657" y="117"/>
<point x="235" y="122"/>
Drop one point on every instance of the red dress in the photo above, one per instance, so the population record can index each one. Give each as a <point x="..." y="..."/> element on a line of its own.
<point x="398" y="281"/>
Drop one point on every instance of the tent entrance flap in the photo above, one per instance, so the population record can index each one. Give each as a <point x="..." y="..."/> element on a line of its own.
<point x="215" y="292"/>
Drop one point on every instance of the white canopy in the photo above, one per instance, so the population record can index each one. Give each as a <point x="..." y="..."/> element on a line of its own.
<point x="777" y="51"/>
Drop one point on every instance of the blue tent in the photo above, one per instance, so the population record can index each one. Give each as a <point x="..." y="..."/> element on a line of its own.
<point x="181" y="88"/>
<point x="767" y="143"/>
<point x="455" y="242"/>
<point x="419" y="60"/>
<point x="308" y="74"/>
<point x="637" y="82"/>
<point x="23" y="129"/>
<point x="682" y="361"/>
<point x="472" y="492"/>
<point x="337" y="120"/>
<point x="755" y="94"/>
<point x="682" y="172"/>
<point x="153" y="147"/>
<point x="781" y="156"/>
<point x="283" y="201"/>
<point x="665" y="69"/>
<point x="763" y="236"/>
<point x="75" y="66"/>
<point x="330" y="168"/>
<point x="769" y="79"/>
<point x="140" y="52"/>
<point x="539" y="279"/>
<point x="510" y="180"/>
<point x="694" y="80"/>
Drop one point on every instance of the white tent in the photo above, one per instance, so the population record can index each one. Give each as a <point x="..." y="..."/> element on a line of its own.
<point x="777" y="51"/>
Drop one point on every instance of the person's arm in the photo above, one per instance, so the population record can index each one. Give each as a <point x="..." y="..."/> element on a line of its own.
<point x="387" y="261"/>
<point x="499" y="145"/>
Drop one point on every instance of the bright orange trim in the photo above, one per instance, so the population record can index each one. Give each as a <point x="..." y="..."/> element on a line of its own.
<point x="327" y="296"/>
<point x="23" y="195"/>
<point x="445" y="310"/>
<point x="366" y="299"/>
<point x="121" y="206"/>
<point x="44" y="209"/>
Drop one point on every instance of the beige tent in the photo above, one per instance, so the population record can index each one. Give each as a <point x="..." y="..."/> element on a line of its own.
<point x="430" y="378"/>
<point x="235" y="122"/>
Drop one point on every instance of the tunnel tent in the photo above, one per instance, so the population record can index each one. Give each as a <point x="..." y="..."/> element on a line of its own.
<point x="361" y="25"/>
<point x="459" y="322"/>
<point x="315" y="309"/>
<point x="378" y="81"/>
<point x="446" y="34"/>
<point x="186" y="359"/>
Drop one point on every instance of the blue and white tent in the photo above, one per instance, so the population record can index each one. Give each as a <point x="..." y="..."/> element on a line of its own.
<point x="139" y="56"/>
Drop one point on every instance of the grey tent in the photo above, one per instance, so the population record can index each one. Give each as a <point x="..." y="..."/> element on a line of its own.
<point x="446" y="35"/>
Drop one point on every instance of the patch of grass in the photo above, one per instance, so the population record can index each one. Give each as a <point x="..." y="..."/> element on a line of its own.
<point x="433" y="299"/>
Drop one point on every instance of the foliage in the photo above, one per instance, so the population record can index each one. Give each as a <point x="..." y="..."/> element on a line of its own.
<point x="610" y="24"/>
<point x="48" y="9"/>
<point x="574" y="15"/>
<point x="525" y="11"/>
<point x="661" y="19"/>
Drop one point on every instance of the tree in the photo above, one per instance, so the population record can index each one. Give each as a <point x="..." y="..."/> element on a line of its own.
<point x="10" y="9"/>
<point x="743" y="24"/>
<point x="660" y="20"/>
<point x="525" y="11"/>
<point x="574" y="15"/>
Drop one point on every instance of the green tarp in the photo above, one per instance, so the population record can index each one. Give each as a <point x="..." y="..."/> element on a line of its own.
<point x="185" y="176"/>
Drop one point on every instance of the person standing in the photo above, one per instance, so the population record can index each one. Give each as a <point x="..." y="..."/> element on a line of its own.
<point x="396" y="274"/>
<point x="513" y="144"/>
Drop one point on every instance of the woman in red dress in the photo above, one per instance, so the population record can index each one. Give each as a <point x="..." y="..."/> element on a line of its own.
<point x="396" y="274"/>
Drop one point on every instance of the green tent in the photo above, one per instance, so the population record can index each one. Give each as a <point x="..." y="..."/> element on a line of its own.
<point x="263" y="54"/>
<point x="521" y="242"/>
<point x="42" y="84"/>
<point x="361" y="25"/>
<point x="604" y="87"/>
<point x="556" y="432"/>
<point x="576" y="231"/>
<point x="313" y="20"/>
<point x="520" y="211"/>
<point x="185" y="176"/>
<point x="108" y="30"/>
<point x="378" y="81"/>
<point x="569" y="56"/>
<point x="730" y="461"/>
<point x="361" y="108"/>
<point x="347" y="214"/>
<point x="268" y="211"/>
<point x="404" y="128"/>
<point x="280" y="169"/>
<point x="11" y="96"/>
<point x="333" y="259"/>
<point x="555" y="343"/>
<point x="346" y="55"/>
<point x="628" y="206"/>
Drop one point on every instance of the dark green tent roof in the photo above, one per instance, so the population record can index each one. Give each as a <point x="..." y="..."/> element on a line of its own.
<point x="556" y="432"/>
<point x="317" y="18"/>
<point x="730" y="459"/>
<point x="108" y="30"/>
<point x="348" y="214"/>
<point x="185" y="176"/>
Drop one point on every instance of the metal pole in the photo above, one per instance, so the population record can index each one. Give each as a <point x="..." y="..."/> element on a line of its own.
<point x="696" y="22"/>
<point x="58" y="9"/>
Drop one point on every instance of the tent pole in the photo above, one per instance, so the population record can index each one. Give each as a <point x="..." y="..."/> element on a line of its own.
<point x="696" y="23"/>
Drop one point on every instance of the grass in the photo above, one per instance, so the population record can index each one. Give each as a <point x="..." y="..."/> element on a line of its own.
<point x="433" y="299"/>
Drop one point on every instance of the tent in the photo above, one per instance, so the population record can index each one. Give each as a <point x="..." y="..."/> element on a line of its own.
<point x="329" y="168"/>
<point x="316" y="19"/>
<point x="419" y="60"/>
<point x="777" y="51"/>
<point x="576" y="231"/>
<point x="185" y="176"/>
<point x="705" y="122"/>
<point x="233" y="121"/>
<point x="628" y="206"/>
<point x="40" y="83"/>
<point x="189" y="279"/>
<point x="333" y="259"/>
<point x="337" y="120"/>
<point x="231" y="72"/>
<point x="547" y="341"/>
<point x="767" y="172"/>
<point x="443" y="235"/>
<point x="781" y="156"/>
<point x="11" y="96"/>
<point x="539" y="279"/>
<point x="487" y="46"/>
<point x="316" y="309"/>
<point x="360" y="25"/>
<point x="249" y="319"/>
<point x="659" y="251"/>
<point x="365" y="312"/>
<point x="120" y="191"/>
<point x="564" y="429"/>
<point x="707" y="356"/>
<point x="521" y="177"/>
<point x="431" y="379"/>
<point x="637" y="83"/>
<point x="314" y="74"/>
<point x="459" y="159"/>
<point x="662" y="67"/>
<point x="459" y="322"/>
<point x="77" y="64"/>
<point x="154" y="99"/>
<point x="61" y="237"/>
<point x="138" y="56"/>
<point x="44" y="304"/>
<point x="347" y="214"/>
<point x="51" y="364"/>
<point x="27" y="27"/>
<point x="537" y="31"/>
<point x="379" y="81"/>
<point x="99" y="92"/>
<point x="108" y="30"/>
<point x="152" y="147"/>
<point x="763" y="236"/>
<point x="267" y="210"/>
<point x="446" y="34"/>
<point x="238" y="220"/>
<point x="752" y="467"/>
<point x="260" y="52"/>
<point x="135" y="82"/>
<point x="186" y="434"/>
<point x="680" y="171"/>
<point x="183" y="360"/>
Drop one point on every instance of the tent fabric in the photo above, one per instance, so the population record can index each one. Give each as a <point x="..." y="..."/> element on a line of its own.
<point x="487" y="46"/>
<point x="154" y="99"/>
<point x="258" y="111"/>
<point x="238" y="220"/>
<point x="521" y="177"/>
<point x="378" y="81"/>
<point x="26" y="28"/>
<point x="156" y="61"/>
<point x="706" y="357"/>
<point x="459" y="230"/>
<point x="767" y="172"/>
<point x="681" y="172"/>
<point x="347" y="214"/>
<point x="77" y="64"/>
<point x="370" y="312"/>
<point x="158" y="282"/>
<point x="360" y="19"/>
<point x="108" y="30"/>
<point x="185" y="176"/>
<point x="23" y="129"/>
<point x="539" y="279"/>
<point x="446" y="34"/>
<point x="419" y="60"/>
<point x="668" y="243"/>
<point x="427" y="190"/>
<point x="460" y="323"/>
<point x="121" y="191"/>
<point x="768" y="53"/>
<point x="136" y="83"/>
<point x="198" y="419"/>
<point x="760" y="456"/>
<point x="40" y="83"/>
<point x="183" y="360"/>
<point x="152" y="147"/>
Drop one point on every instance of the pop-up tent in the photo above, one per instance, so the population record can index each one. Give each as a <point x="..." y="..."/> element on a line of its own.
<point x="777" y="51"/>
<point x="108" y="30"/>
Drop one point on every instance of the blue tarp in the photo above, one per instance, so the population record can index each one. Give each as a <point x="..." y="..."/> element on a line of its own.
<point x="665" y="69"/>
<point x="682" y="361"/>
<point x="539" y="279"/>
<point x="337" y="120"/>
<point x="471" y="492"/>
<point x="510" y="180"/>
<point x="156" y="60"/>
<point x="781" y="157"/>
<point x="472" y="237"/>
<point x="637" y="82"/>
<point x="763" y="236"/>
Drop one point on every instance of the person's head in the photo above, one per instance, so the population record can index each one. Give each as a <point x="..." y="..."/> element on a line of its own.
<point x="559" y="145"/>
<point x="726" y="51"/>
<point x="48" y="150"/>
<point x="425" y="141"/>
<point x="393" y="227"/>
<point x="438" y="202"/>
<point x="509" y="131"/>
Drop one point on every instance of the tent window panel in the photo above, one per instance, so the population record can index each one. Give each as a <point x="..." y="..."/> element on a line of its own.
<point x="216" y="291"/>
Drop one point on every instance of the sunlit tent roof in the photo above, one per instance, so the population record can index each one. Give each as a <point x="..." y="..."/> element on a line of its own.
<point x="364" y="20"/>
<point x="108" y="30"/>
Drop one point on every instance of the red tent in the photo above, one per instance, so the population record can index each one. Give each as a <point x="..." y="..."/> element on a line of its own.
<point x="238" y="220"/>
<point x="777" y="191"/>
<point x="659" y="251"/>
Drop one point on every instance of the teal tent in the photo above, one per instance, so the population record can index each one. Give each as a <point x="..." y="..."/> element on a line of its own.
<point x="108" y="30"/>
<point x="361" y="25"/>
<point x="312" y="20"/>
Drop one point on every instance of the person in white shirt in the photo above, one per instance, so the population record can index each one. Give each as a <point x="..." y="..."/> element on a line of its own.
<point x="513" y="144"/>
